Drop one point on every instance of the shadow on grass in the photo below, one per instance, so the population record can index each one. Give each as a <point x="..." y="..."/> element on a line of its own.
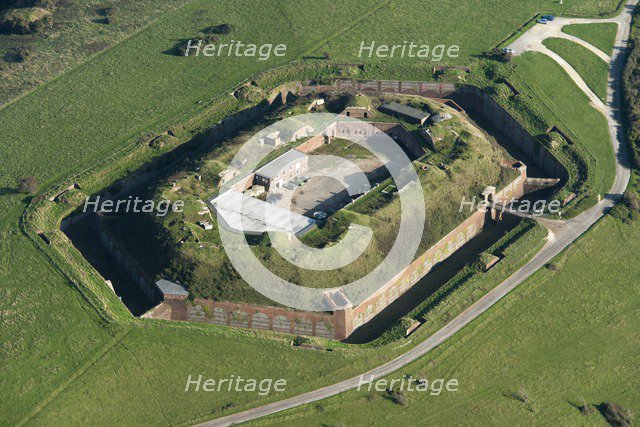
<point x="7" y="191"/>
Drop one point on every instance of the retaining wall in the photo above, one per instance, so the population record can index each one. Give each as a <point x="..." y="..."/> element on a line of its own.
<point x="137" y="274"/>
<point x="472" y="98"/>
<point x="326" y="325"/>
<point x="450" y="243"/>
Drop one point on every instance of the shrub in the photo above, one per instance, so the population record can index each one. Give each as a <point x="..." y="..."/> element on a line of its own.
<point x="522" y="396"/>
<point x="500" y="90"/>
<point x="162" y="141"/>
<point x="46" y="4"/>
<point x="27" y="185"/>
<point x="628" y="209"/>
<point x="398" y="397"/>
<point x="219" y="29"/>
<point x="553" y="267"/>
<point x="25" y="20"/>
<point x="108" y="14"/>
<point x="326" y="55"/>
<point x="250" y="93"/>
<point x="616" y="415"/>
<point x="17" y="54"/>
<point x="619" y="211"/>
<point x="585" y="408"/>
<point x="299" y="340"/>
<point x="500" y="55"/>
<point x="631" y="200"/>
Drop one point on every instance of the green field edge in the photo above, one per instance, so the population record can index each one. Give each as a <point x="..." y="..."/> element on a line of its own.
<point x="87" y="60"/>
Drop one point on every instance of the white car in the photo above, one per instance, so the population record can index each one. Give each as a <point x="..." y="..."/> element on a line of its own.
<point x="319" y="215"/>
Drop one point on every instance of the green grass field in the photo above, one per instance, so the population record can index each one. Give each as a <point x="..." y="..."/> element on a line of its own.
<point x="78" y="34"/>
<point x="561" y="336"/>
<point x="136" y="86"/>
<point x="568" y="107"/>
<point x="602" y="36"/>
<point x="56" y="351"/>
<point x="593" y="70"/>
<point x="154" y="359"/>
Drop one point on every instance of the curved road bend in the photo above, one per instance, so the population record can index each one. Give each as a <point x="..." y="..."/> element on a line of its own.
<point x="562" y="234"/>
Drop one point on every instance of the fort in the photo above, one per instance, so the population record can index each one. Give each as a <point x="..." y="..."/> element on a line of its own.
<point x="175" y="304"/>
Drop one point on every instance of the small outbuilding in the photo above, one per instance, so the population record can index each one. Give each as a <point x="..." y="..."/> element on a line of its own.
<point x="410" y="114"/>
<point x="171" y="290"/>
<point x="273" y="139"/>
<point x="205" y="224"/>
<point x="358" y="107"/>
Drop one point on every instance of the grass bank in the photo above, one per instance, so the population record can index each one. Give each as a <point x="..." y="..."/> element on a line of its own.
<point x="593" y="70"/>
<point x="564" y="337"/>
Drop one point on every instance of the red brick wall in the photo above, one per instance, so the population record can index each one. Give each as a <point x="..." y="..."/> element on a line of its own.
<point x="251" y="316"/>
<point x="340" y="324"/>
<point x="311" y="144"/>
<point x="435" y="254"/>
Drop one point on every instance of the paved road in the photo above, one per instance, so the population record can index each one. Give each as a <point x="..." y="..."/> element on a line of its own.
<point x="562" y="234"/>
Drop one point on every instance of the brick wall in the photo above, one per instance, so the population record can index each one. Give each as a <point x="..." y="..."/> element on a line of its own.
<point x="326" y="325"/>
<point x="340" y="324"/>
<point x="312" y="143"/>
<point x="450" y="243"/>
<point x="472" y="98"/>
<point x="135" y="272"/>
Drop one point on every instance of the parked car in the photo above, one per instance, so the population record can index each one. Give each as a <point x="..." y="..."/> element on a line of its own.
<point x="542" y="21"/>
<point x="290" y="186"/>
<point x="507" y="50"/>
<point x="548" y="17"/>
<point x="319" y="215"/>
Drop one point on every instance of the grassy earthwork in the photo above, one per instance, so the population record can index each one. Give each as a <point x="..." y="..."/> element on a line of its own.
<point x="567" y="107"/>
<point x="63" y="362"/>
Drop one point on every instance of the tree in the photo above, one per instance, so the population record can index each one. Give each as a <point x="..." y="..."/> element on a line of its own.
<point x="27" y="185"/>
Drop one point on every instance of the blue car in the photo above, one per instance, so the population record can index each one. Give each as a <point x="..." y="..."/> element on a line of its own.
<point x="542" y="21"/>
<point x="548" y="17"/>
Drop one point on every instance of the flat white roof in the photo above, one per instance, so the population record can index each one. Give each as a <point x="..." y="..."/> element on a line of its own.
<point x="253" y="216"/>
<point x="271" y="169"/>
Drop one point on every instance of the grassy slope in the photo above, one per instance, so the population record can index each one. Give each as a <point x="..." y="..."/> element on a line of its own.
<point x="77" y="35"/>
<point x="47" y="333"/>
<point x="435" y="26"/>
<point x="153" y="356"/>
<point x="602" y="36"/>
<point x="593" y="70"/>
<point x="63" y="125"/>
<point x="117" y="96"/>
<point x="94" y="108"/>
<point x="560" y="336"/>
<point x="570" y="107"/>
